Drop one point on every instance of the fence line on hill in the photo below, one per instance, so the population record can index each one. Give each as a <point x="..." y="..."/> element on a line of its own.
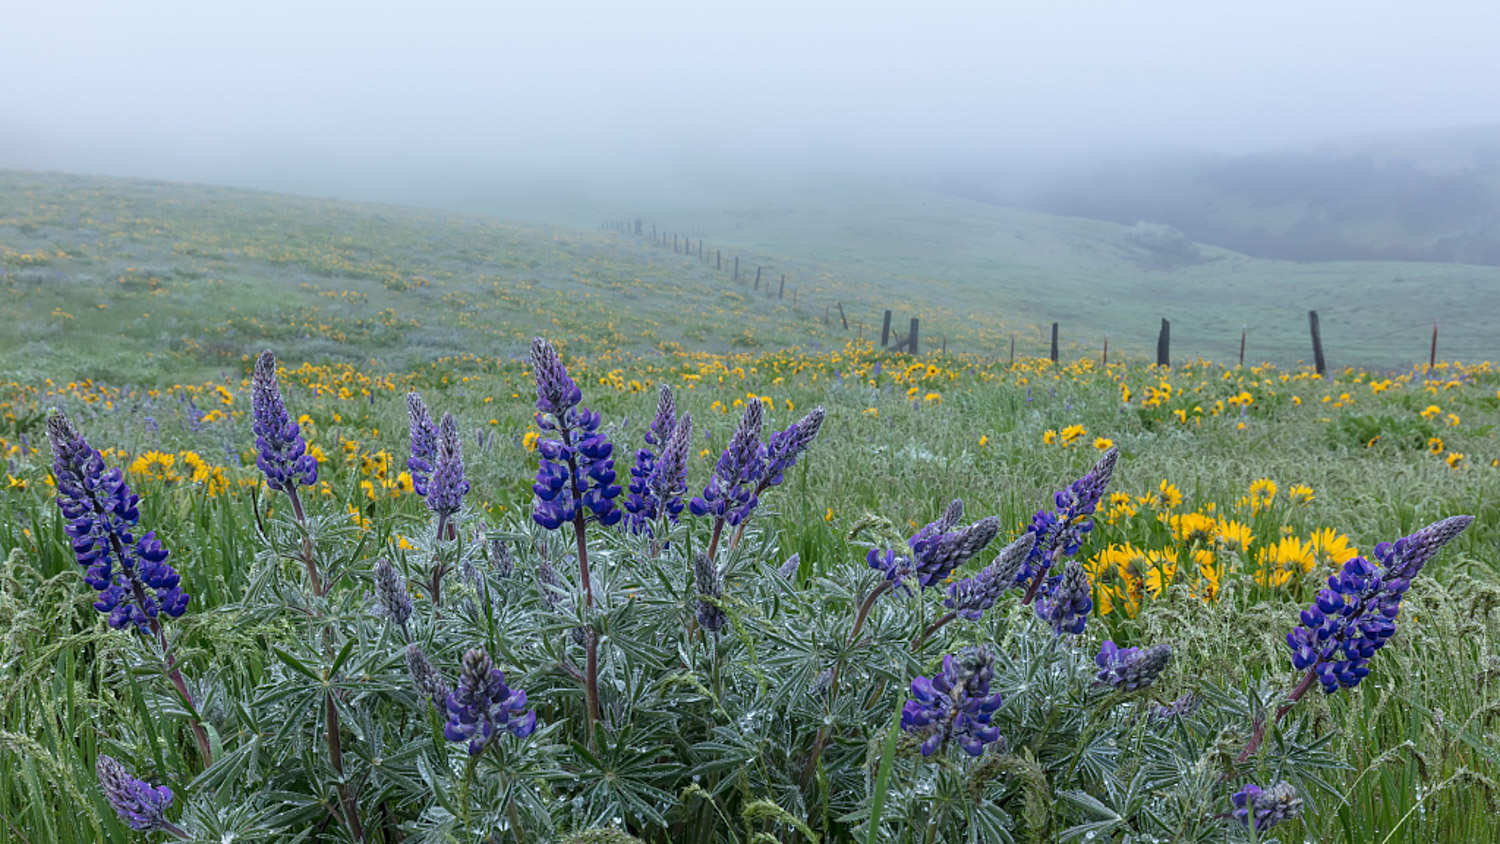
<point x="892" y="339"/>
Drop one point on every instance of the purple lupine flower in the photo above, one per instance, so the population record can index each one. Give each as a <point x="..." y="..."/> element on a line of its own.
<point x="789" y="568"/>
<point x="482" y="702"/>
<point x="1179" y="708"/>
<point x="577" y="472"/>
<point x="1060" y="532"/>
<point x="648" y="500"/>
<point x="424" y="442"/>
<point x="730" y="493"/>
<point x="446" y="487"/>
<point x="502" y="560"/>
<point x="280" y="451"/>
<point x="937" y="549"/>
<point x="137" y="802"/>
<point x="1268" y="807"/>
<point x="972" y="596"/>
<point x="1068" y="600"/>
<point x="391" y="594"/>
<point x="1356" y="615"/>
<point x="780" y="453"/>
<point x="428" y="681"/>
<point x="668" y="480"/>
<point x="134" y="580"/>
<point x="1128" y="669"/>
<point x="710" y="585"/>
<point x="955" y="704"/>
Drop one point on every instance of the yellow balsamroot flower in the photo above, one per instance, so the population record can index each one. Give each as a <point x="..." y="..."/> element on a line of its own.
<point x="1453" y="420"/>
<point x="1435" y="445"/>
<point x="1262" y="493"/>
<point x="1189" y="528"/>
<point x="1299" y="494"/>
<point x="1331" y="547"/>
<point x="1168" y="495"/>
<point x="984" y="440"/>
<point x="872" y="411"/>
<point x="1277" y="564"/>
<point x="528" y="440"/>
<point x="1453" y="459"/>
<point x="1430" y="411"/>
<point x="933" y="397"/>
<point x="1049" y="437"/>
<point x="828" y="516"/>
<point x="1103" y="443"/>
<point x="1209" y="572"/>
<point x="405" y="484"/>
<point x="358" y="518"/>
<point x="15" y="482"/>
<point x="317" y="452"/>
<point x="154" y="464"/>
<point x="1071" y="434"/>
<point x="1232" y="536"/>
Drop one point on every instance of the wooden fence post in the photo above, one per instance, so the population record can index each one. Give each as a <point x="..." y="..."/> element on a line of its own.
<point x="913" y="338"/>
<point x="736" y="268"/>
<point x="885" y="330"/>
<point x="757" y="276"/>
<point x="1012" y="350"/>
<point x="1054" y="342"/>
<point x="718" y="259"/>
<point x="781" y="291"/>
<point x="1317" y="340"/>
<point x="945" y="344"/>
<point x="841" y="316"/>
<point x="1105" y="358"/>
<point x="1432" y="355"/>
<point x="1243" y="329"/>
<point x="1164" y="344"/>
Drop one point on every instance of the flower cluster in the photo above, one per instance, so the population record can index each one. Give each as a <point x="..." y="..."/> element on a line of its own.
<point x="425" y="677"/>
<point x="937" y="549"/>
<point x="577" y="473"/>
<point x="971" y="596"/>
<point x="482" y="702"/>
<point x="955" y="704"/>
<point x="1266" y="807"/>
<point x="658" y="478"/>
<point x="134" y="580"/>
<point x="1129" y="669"/>
<point x="424" y="442"/>
<point x="731" y="491"/>
<point x="1067" y="603"/>
<point x="1060" y="532"/>
<point x="391" y="594"/>
<point x="1356" y="615"/>
<point x="280" y="450"/>
<point x="446" y="487"/>
<point x="137" y="802"/>
<point x="784" y="447"/>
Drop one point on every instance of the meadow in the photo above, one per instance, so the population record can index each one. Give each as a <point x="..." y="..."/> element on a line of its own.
<point x="710" y="679"/>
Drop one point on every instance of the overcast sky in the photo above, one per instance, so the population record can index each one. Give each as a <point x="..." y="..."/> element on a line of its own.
<point x="375" y="99"/>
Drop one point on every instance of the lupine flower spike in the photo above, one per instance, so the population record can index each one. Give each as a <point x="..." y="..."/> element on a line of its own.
<point x="426" y="678"/>
<point x="280" y="450"/>
<point x="136" y="585"/>
<point x="391" y="594"/>
<point x="710" y="585"/>
<point x="137" y="802"/>
<point x="424" y="440"/>
<point x="1067" y="605"/>
<point x="955" y="704"/>
<point x="482" y="703"/>
<point x="641" y="503"/>
<point x="1060" y="531"/>
<point x="446" y="487"/>
<point x="971" y="596"/>
<point x="937" y="549"/>
<point x="1129" y="669"/>
<point x="1267" y="807"/>
<point x="577" y="474"/>
<point x="730" y="493"/>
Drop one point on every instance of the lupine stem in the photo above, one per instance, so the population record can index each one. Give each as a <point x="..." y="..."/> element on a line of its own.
<point x="591" y="644"/>
<point x="933" y="628"/>
<point x="336" y="757"/>
<point x="1281" y="711"/>
<point x="713" y="542"/>
<point x="307" y="550"/>
<point x="833" y="680"/>
<point x="1036" y="584"/>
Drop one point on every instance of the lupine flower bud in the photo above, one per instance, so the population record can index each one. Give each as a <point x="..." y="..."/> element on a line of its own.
<point x="137" y="803"/>
<point x="280" y="451"/>
<point x="658" y="481"/>
<point x="502" y="560"/>
<point x="1067" y="605"/>
<point x="666" y="418"/>
<point x="1356" y="615"/>
<point x="482" y="702"/>
<point x="1179" y="708"/>
<point x="789" y="568"/>
<point x="549" y="587"/>
<point x="1266" y="807"/>
<point x="781" y="452"/>
<point x="446" y="489"/>
<point x="555" y="391"/>
<point x="577" y="472"/>
<point x="668" y="479"/>
<point x="1128" y="669"/>
<point x="426" y="678"/>
<point x="730" y="493"/>
<point x="424" y="442"/>
<point x="134" y="580"/>
<point x="955" y="704"/>
<point x="710" y="585"/>
<point x="1060" y="532"/>
<point x="971" y="596"/>
<point x="390" y="592"/>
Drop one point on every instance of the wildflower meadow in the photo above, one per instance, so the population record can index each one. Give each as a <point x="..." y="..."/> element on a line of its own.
<point x="845" y="595"/>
